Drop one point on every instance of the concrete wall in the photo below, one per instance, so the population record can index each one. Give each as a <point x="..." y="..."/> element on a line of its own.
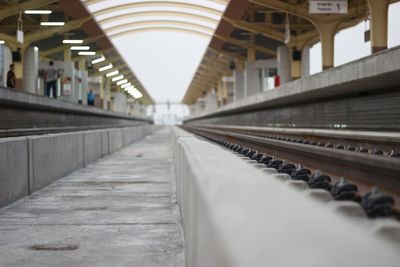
<point x="235" y="214"/>
<point x="375" y="72"/>
<point x="28" y="164"/>
<point x="14" y="170"/>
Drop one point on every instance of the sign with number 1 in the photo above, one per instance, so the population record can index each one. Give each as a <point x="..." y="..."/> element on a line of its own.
<point x="328" y="6"/>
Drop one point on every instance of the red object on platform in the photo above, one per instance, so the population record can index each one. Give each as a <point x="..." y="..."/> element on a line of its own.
<point x="277" y="80"/>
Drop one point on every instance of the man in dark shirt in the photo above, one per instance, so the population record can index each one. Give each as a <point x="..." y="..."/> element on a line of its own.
<point x="11" y="77"/>
<point x="51" y="80"/>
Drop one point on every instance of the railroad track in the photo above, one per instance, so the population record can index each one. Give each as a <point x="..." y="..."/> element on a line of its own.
<point x="4" y="133"/>
<point x="358" y="166"/>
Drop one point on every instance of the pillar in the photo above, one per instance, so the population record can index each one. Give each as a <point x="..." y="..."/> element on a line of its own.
<point x="31" y="70"/>
<point x="19" y="71"/>
<point x="102" y="89"/>
<point x="83" y="85"/>
<point x="295" y="72"/>
<point x="227" y="89"/>
<point x="251" y="55"/>
<point x="69" y="91"/>
<point x="327" y="31"/>
<point x="305" y="62"/>
<point x="284" y="69"/>
<point x="238" y="76"/>
<point x="107" y="93"/>
<point x="3" y="66"/>
<point x="229" y="86"/>
<point x="379" y="24"/>
<point x="251" y="79"/>
<point x="220" y="93"/>
<point x="211" y="102"/>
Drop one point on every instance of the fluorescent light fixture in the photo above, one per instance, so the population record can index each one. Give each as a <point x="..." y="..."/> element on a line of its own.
<point x="2" y="42"/>
<point x="38" y="12"/>
<point x="54" y="23"/>
<point x="122" y="82"/>
<point x="109" y="66"/>
<point x="98" y="60"/>
<point x="86" y="53"/>
<point x="72" y="41"/>
<point x="113" y="73"/>
<point x="85" y="47"/>
<point x="125" y="85"/>
<point x="133" y="92"/>
<point x="120" y="77"/>
<point x="136" y="94"/>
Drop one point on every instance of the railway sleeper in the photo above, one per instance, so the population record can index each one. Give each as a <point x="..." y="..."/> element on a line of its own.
<point x="375" y="203"/>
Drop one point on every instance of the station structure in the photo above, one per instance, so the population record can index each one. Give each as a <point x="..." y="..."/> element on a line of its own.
<point x="273" y="167"/>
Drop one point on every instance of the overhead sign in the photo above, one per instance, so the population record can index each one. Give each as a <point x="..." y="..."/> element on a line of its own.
<point x="328" y="6"/>
<point x="20" y="37"/>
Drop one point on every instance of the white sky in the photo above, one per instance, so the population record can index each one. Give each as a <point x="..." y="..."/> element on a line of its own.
<point x="165" y="62"/>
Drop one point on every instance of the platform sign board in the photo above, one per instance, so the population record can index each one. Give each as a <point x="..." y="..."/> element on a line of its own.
<point x="328" y="6"/>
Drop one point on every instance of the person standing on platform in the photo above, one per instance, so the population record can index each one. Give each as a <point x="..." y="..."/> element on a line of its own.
<point x="11" y="77"/>
<point x="90" y="98"/>
<point x="51" y="80"/>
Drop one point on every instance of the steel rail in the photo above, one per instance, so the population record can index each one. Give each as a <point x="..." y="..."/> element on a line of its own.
<point x="385" y="141"/>
<point x="50" y="130"/>
<point x="365" y="170"/>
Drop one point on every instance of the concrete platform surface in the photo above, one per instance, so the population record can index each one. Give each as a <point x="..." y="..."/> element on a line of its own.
<point x="118" y="211"/>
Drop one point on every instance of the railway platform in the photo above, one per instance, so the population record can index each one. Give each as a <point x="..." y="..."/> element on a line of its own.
<point x="118" y="211"/>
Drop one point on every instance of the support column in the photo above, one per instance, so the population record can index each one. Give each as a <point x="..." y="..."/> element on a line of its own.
<point x="251" y="79"/>
<point x="102" y="87"/>
<point x="83" y="85"/>
<point x="7" y="57"/>
<point x="327" y="33"/>
<point x="69" y="91"/>
<point x="238" y="76"/>
<point x="2" y="65"/>
<point x="305" y="62"/>
<point x="107" y="93"/>
<point x="296" y="64"/>
<point x="227" y="89"/>
<point x="31" y="70"/>
<point x="379" y="24"/>
<point x="284" y="69"/>
<point x="210" y="102"/>
<point x="220" y="93"/>
<point x="251" y="55"/>
<point x="19" y="72"/>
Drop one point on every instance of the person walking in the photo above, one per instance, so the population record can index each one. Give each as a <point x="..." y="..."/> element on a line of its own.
<point x="51" y="80"/>
<point x="90" y="98"/>
<point x="11" y="77"/>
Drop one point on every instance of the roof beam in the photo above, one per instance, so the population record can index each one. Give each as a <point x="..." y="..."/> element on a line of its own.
<point x="246" y="45"/>
<point x="12" y="10"/>
<point x="92" y="2"/>
<point x="152" y="13"/>
<point x="116" y="8"/>
<point x="62" y="48"/>
<point x="276" y="35"/>
<point x="48" y="32"/>
<point x="174" y="23"/>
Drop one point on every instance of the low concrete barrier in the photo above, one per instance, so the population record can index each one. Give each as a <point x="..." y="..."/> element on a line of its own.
<point x="28" y="164"/>
<point x="54" y="156"/>
<point x="235" y="214"/>
<point x="14" y="169"/>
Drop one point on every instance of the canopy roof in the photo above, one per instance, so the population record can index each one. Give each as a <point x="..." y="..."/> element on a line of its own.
<point x="259" y="25"/>
<point x="79" y="24"/>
